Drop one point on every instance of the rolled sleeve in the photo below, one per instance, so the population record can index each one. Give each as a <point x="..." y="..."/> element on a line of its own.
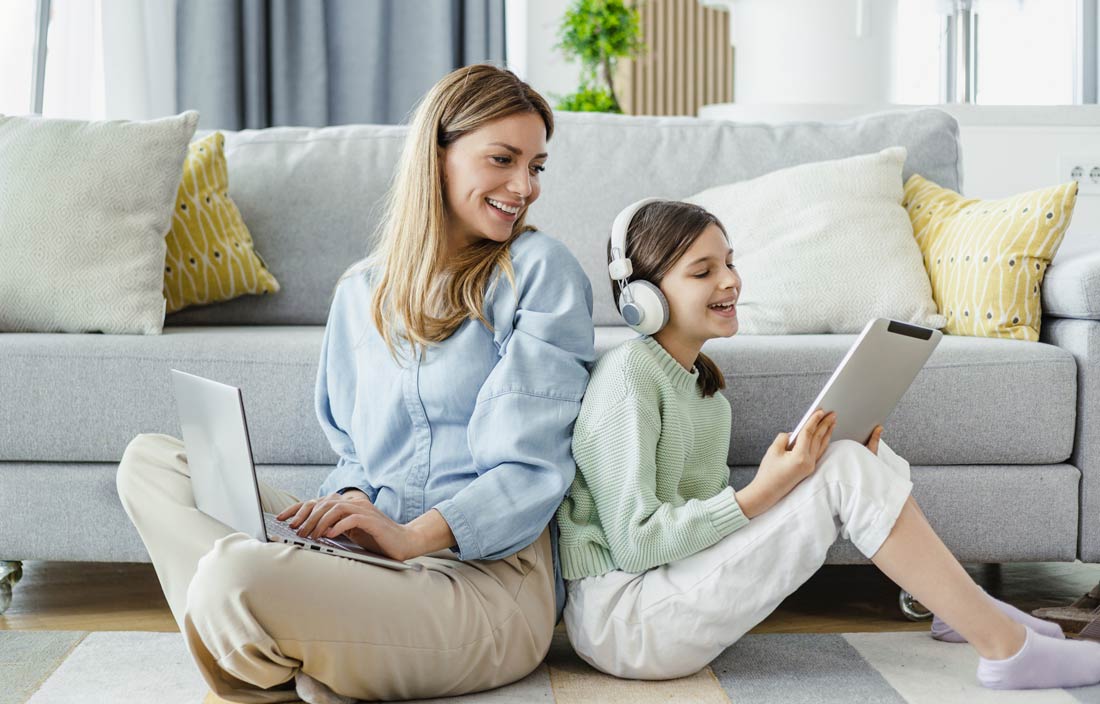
<point x="520" y="432"/>
<point x="520" y="445"/>
<point x="333" y="401"/>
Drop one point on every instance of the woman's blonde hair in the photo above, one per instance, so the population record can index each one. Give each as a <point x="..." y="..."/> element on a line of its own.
<point x="407" y="303"/>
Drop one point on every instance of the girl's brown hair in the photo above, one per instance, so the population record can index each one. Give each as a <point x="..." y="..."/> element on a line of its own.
<point x="406" y="304"/>
<point x="657" y="236"/>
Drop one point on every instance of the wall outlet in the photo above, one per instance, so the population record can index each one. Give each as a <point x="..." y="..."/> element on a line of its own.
<point x="1084" y="170"/>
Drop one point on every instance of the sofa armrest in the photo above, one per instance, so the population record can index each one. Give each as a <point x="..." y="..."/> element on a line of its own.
<point x="1071" y="287"/>
<point x="1081" y="338"/>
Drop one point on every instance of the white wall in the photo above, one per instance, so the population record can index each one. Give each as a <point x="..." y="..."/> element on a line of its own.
<point x="532" y="55"/>
<point x="1000" y="160"/>
<point x="812" y="51"/>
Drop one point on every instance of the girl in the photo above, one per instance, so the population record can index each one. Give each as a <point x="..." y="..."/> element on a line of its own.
<point x="668" y="565"/>
<point x="452" y="368"/>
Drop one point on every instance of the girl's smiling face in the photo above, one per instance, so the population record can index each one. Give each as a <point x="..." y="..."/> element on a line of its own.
<point x="702" y="288"/>
<point x="491" y="176"/>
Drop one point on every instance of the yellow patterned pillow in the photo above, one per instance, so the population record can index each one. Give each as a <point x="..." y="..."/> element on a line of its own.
<point x="210" y="256"/>
<point x="986" y="258"/>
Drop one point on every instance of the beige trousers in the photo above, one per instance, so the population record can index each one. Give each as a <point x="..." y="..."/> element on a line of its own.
<point x="255" y="613"/>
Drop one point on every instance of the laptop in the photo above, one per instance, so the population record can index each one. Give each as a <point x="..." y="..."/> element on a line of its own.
<point x="223" y="474"/>
<point x="873" y="376"/>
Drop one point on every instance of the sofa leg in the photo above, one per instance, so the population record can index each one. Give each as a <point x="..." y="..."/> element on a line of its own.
<point x="10" y="573"/>
<point x="913" y="609"/>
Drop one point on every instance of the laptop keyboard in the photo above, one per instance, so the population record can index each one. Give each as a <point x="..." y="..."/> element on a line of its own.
<point x="280" y="529"/>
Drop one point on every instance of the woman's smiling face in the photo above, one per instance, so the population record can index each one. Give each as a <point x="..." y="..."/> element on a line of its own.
<point x="702" y="289"/>
<point x="491" y="176"/>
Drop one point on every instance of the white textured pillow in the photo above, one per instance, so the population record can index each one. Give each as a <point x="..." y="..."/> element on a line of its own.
<point x="84" y="208"/>
<point x="824" y="247"/>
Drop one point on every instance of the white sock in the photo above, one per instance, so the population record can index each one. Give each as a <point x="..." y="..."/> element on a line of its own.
<point x="1044" y="663"/>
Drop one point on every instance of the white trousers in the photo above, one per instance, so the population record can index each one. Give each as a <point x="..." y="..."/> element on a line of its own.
<point x="672" y="620"/>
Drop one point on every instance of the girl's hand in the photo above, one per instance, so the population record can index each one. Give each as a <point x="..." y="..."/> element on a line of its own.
<point x="782" y="469"/>
<point x="801" y="460"/>
<point x="872" y="442"/>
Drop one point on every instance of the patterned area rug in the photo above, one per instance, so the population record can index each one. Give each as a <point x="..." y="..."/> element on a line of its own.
<point x="51" y="667"/>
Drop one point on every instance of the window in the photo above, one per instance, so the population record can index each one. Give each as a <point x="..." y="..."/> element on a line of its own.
<point x="1027" y="52"/>
<point x="17" y="19"/>
<point x="74" y="58"/>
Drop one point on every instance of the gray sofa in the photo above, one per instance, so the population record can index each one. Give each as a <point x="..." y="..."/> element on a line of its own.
<point x="1002" y="435"/>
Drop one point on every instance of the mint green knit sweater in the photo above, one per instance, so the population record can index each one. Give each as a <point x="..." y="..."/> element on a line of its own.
<point x="652" y="484"/>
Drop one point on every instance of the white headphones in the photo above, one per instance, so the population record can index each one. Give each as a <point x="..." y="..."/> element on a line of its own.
<point x="641" y="304"/>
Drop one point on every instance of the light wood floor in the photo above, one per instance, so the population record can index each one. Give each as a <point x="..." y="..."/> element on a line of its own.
<point x="88" y="596"/>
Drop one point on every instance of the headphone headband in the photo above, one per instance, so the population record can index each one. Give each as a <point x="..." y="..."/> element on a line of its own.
<point x="619" y="260"/>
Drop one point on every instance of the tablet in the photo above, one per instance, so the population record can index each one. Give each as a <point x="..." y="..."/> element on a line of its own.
<point x="872" y="378"/>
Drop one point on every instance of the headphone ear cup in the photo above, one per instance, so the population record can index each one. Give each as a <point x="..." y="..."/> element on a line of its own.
<point x="647" y="313"/>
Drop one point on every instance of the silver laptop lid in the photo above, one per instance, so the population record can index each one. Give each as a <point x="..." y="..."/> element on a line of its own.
<point x="219" y="454"/>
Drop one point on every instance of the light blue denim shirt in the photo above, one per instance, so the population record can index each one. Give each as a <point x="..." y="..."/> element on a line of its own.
<point x="479" y="428"/>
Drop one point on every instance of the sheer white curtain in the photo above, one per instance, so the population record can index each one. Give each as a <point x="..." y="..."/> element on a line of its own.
<point x="111" y="59"/>
<point x="139" y="58"/>
<point x="16" y="55"/>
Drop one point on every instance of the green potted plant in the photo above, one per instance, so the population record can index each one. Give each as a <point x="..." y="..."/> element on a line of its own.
<point x="598" y="33"/>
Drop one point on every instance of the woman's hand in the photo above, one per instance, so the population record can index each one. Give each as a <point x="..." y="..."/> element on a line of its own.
<point x="304" y="515"/>
<point x="781" y="469"/>
<point x="872" y="442"/>
<point x="356" y="518"/>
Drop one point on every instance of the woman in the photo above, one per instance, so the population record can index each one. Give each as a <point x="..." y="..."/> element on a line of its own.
<point x="464" y="322"/>
<point x="668" y="565"/>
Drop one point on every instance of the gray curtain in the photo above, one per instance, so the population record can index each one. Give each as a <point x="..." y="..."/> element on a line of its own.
<point x="258" y="63"/>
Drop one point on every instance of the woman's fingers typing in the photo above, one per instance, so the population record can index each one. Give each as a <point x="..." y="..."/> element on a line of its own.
<point x="297" y="513"/>
<point x="337" y="513"/>
<point x="304" y="516"/>
<point x="330" y="517"/>
<point x="320" y="509"/>
<point x="289" y="511"/>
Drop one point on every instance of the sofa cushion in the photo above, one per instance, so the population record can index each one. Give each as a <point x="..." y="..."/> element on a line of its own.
<point x="83" y="211"/>
<point x="82" y="398"/>
<point x="211" y="257"/>
<point x="986" y="258"/>
<point x="312" y="197"/>
<point x="824" y="247"/>
<point x="977" y="400"/>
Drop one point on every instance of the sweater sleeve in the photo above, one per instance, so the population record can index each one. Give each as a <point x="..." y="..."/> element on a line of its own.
<point x="617" y="459"/>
